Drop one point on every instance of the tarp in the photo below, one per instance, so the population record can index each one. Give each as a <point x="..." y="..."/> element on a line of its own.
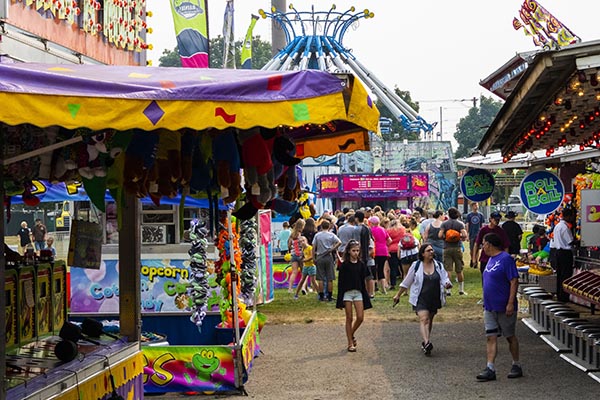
<point x="124" y="97"/>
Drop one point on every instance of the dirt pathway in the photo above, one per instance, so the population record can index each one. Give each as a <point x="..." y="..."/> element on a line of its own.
<point x="310" y="361"/>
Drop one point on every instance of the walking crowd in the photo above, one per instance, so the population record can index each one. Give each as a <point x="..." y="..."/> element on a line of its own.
<point x="417" y="253"/>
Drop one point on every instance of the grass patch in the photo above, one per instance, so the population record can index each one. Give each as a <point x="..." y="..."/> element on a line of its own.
<point x="307" y="309"/>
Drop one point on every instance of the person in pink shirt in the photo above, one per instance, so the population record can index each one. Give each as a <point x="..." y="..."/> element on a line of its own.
<point x="382" y="239"/>
<point x="396" y="231"/>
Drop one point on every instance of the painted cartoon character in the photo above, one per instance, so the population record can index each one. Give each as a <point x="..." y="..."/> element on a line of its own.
<point x="206" y="363"/>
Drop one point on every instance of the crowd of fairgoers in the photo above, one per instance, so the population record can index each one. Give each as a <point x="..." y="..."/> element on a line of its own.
<point x="423" y="226"/>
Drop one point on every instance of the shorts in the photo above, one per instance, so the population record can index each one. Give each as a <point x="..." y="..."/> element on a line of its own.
<point x="498" y="324"/>
<point x="409" y="259"/>
<point x="453" y="259"/>
<point x="373" y="271"/>
<point x="325" y="269"/>
<point x="380" y="263"/>
<point x="353" y="295"/>
<point x="310" y="271"/>
<point x="297" y="259"/>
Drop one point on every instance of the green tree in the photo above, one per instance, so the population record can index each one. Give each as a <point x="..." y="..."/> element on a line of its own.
<point x="470" y="129"/>
<point x="397" y="131"/>
<point x="261" y="54"/>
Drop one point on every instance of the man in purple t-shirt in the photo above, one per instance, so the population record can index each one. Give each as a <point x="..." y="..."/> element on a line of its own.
<point x="500" y="283"/>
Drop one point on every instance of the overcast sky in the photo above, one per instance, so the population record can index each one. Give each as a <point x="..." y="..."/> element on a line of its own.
<point x="438" y="50"/>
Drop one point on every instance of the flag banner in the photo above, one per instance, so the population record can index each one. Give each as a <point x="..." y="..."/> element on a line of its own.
<point x="228" y="36"/>
<point x="246" y="55"/>
<point x="547" y="31"/>
<point x="191" y="29"/>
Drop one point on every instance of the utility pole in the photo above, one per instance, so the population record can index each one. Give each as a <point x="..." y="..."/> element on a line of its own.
<point x="277" y="34"/>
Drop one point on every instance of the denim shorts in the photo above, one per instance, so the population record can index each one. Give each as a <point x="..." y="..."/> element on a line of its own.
<point x="310" y="271"/>
<point x="353" y="295"/>
<point x="297" y="259"/>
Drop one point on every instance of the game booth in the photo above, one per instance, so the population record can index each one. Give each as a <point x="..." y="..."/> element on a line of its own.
<point x="553" y="109"/>
<point x="157" y="133"/>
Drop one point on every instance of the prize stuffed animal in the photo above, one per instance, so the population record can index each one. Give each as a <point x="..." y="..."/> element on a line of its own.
<point x="139" y="160"/>
<point x="227" y="160"/>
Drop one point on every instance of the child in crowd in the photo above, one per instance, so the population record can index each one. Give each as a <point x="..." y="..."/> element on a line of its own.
<point x="352" y="290"/>
<point x="309" y="270"/>
<point x="50" y="245"/>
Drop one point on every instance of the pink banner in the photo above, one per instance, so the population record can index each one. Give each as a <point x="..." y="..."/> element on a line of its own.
<point x="329" y="184"/>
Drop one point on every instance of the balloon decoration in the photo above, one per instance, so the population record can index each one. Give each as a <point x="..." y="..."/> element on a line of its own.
<point x="198" y="288"/>
<point x="248" y="243"/>
<point x="225" y="269"/>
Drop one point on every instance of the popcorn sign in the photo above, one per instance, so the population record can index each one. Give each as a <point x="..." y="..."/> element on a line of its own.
<point x="477" y="185"/>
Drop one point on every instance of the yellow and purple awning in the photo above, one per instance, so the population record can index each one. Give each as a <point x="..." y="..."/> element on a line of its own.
<point x="313" y="104"/>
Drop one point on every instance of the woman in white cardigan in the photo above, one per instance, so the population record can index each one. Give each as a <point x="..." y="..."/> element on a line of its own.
<point x="426" y="282"/>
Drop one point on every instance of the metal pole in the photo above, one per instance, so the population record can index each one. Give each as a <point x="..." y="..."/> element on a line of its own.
<point x="3" y="383"/>
<point x="441" y="124"/>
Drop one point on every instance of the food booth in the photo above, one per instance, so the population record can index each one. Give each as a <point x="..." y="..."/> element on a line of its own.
<point x="61" y="110"/>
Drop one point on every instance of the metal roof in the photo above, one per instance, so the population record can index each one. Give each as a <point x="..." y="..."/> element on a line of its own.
<point x="552" y="105"/>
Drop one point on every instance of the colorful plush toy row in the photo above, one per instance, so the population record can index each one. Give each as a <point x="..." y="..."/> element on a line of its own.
<point x="163" y="163"/>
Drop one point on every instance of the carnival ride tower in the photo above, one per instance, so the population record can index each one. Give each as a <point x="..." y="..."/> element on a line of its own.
<point x="314" y="40"/>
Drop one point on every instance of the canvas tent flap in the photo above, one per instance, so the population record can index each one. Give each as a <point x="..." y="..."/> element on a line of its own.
<point x="125" y="97"/>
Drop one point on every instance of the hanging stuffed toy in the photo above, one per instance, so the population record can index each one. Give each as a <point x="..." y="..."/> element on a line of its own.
<point x="139" y="159"/>
<point x="257" y="163"/>
<point x="189" y="139"/>
<point x="167" y="166"/>
<point x="227" y="160"/>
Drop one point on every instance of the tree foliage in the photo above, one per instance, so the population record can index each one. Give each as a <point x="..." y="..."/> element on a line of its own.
<point x="261" y="54"/>
<point x="470" y="129"/>
<point x="398" y="132"/>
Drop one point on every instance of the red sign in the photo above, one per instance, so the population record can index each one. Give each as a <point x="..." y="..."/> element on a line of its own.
<point x="358" y="183"/>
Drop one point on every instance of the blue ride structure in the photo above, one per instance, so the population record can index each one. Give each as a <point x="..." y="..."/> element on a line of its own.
<point x="314" y="40"/>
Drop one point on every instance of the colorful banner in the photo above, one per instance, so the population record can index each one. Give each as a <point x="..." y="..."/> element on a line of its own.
<point x="246" y="55"/>
<point x="542" y="192"/>
<point x="163" y="287"/>
<point x="477" y="185"/>
<point x="190" y="18"/>
<point x="266" y="292"/>
<point x="544" y="29"/>
<point x="188" y="369"/>
<point x="46" y="191"/>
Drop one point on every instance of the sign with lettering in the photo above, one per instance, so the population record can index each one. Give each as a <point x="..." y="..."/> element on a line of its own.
<point x="477" y="185"/>
<point x="542" y="192"/>
<point x="359" y="183"/>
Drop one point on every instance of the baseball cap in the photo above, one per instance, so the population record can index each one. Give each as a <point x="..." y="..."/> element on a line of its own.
<point x="496" y="215"/>
<point x="368" y="208"/>
<point x="511" y="214"/>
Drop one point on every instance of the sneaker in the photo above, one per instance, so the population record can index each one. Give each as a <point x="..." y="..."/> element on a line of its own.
<point x="427" y="348"/>
<point x="295" y="297"/>
<point x="515" y="372"/>
<point x="486" y="375"/>
<point x="462" y="293"/>
<point x="303" y="292"/>
<point x="448" y="293"/>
